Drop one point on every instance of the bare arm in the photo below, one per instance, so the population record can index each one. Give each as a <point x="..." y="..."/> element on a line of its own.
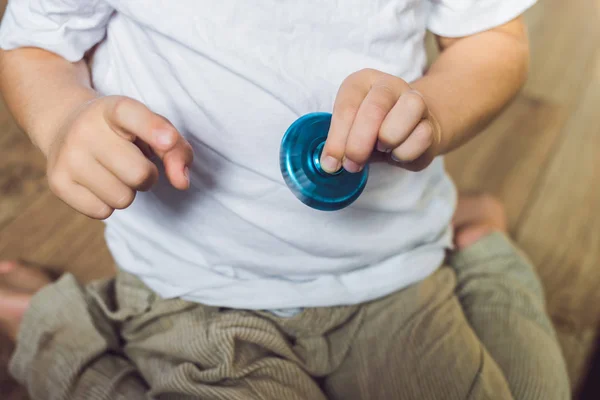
<point x="473" y="79"/>
<point x="96" y="146"/>
<point x="41" y="89"/>
<point x="469" y="83"/>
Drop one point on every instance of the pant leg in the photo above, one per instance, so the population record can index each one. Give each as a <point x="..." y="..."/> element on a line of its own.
<point x="503" y="301"/>
<point x="65" y="349"/>
<point x="417" y="344"/>
<point x="116" y="339"/>
<point x="188" y="350"/>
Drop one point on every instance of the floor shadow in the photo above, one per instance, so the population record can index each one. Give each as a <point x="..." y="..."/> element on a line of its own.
<point x="590" y="390"/>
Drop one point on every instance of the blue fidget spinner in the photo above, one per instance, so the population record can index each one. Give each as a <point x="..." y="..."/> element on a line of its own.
<point x="299" y="159"/>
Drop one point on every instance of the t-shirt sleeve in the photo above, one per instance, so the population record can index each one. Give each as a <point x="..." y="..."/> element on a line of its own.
<point x="68" y="28"/>
<point x="455" y="18"/>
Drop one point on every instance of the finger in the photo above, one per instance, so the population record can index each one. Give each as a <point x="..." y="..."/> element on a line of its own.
<point x="127" y="162"/>
<point x="104" y="185"/>
<point x="79" y="198"/>
<point x="133" y="119"/>
<point x="404" y="117"/>
<point x="372" y="112"/>
<point x="419" y="164"/>
<point x="177" y="164"/>
<point x="144" y="147"/>
<point x="347" y="103"/>
<point x="378" y="157"/>
<point x="417" y="143"/>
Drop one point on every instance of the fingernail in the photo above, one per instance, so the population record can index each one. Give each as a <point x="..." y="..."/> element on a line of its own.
<point x="103" y="210"/>
<point x="330" y="164"/>
<point x="163" y="138"/>
<point x="186" y="173"/>
<point x="351" y="166"/>
<point x="395" y="158"/>
<point x="382" y="148"/>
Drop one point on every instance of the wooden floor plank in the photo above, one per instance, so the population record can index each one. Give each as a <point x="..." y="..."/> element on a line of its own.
<point x="50" y="233"/>
<point x="506" y="158"/>
<point x="560" y="229"/>
<point x="22" y="169"/>
<point x="564" y="38"/>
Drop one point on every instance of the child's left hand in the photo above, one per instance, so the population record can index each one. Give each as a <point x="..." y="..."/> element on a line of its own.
<point x="375" y="110"/>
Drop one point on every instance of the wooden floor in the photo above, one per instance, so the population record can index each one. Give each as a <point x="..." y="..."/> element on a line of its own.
<point x="541" y="157"/>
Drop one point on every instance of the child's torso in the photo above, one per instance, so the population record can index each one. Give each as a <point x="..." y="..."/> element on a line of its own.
<point x="232" y="76"/>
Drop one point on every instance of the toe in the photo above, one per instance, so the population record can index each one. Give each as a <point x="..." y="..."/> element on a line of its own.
<point x="7" y="266"/>
<point x="24" y="278"/>
<point x="13" y="305"/>
<point x="468" y="236"/>
<point x="476" y="209"/>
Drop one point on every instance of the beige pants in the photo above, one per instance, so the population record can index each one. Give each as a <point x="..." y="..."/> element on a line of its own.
<point x="475" y="329"/>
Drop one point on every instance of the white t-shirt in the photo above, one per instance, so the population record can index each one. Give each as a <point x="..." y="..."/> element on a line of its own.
<point x="232" y="75"/>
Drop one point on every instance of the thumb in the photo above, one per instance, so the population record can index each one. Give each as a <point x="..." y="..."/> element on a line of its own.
<point x="133" y="121"/>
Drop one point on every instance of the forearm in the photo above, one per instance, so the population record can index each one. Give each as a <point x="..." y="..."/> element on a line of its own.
<point x="473" y="79"/>
<point x="41" y="89"/>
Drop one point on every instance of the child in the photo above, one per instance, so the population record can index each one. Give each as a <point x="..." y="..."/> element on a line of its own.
<point x="228" y="286"/>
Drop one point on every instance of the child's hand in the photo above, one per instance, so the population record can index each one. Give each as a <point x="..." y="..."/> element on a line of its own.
<point x="377" y="110"/>
<point x="97" y="161"/>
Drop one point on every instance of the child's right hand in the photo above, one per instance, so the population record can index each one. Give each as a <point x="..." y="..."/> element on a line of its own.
<point x="97" y="160"/>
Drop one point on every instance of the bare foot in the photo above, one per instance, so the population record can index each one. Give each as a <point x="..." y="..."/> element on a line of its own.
<point x="476" y="216"/>
<point x="18" y="284"/>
